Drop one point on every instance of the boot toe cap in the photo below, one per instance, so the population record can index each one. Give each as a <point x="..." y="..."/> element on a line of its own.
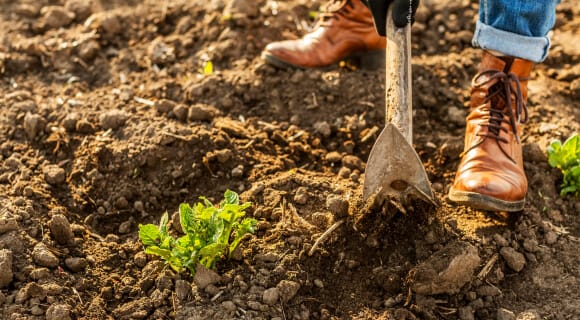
<point x="497" y="187"/>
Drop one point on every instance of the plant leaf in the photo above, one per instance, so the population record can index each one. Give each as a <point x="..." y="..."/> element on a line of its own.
<point x="231" y="197"/>
<point x="149" y="234"/>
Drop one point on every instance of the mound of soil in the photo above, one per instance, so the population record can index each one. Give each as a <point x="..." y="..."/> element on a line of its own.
<point x="111" y="115"/>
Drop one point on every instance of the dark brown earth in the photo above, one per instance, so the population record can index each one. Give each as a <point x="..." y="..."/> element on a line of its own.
<point x="108" y="120"/>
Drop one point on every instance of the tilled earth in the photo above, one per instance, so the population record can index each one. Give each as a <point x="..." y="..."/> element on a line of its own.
<point x="110" y="117"/>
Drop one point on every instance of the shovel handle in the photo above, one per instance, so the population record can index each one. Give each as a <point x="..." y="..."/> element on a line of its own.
<point x="398" y="87"/>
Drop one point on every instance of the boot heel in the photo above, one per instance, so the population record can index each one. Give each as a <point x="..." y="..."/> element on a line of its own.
<point x="372" y="60"/>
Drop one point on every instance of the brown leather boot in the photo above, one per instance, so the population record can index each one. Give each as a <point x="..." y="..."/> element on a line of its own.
<point x="491" y="173"/>
<point x="346" y="29"/>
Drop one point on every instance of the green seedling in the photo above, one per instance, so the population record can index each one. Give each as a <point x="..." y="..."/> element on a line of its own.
<point x="211" y="233"/>
<point x="566" y="157"/>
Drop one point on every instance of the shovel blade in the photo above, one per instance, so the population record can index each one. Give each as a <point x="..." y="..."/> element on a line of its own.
<point x="394" y="169"/>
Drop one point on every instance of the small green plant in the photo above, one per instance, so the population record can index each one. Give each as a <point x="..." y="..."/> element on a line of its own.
<point x="566" y="157"/>
<point x="211" y="233"/>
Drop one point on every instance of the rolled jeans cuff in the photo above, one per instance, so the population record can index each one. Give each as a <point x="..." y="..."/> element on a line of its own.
<point x="534" y="49"/>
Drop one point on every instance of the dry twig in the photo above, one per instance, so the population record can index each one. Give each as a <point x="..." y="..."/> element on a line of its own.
<point x="324" y="236"/>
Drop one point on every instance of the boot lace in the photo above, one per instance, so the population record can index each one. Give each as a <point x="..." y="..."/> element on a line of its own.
<point x="500" y="95"/>
<point x="334" y="10"/>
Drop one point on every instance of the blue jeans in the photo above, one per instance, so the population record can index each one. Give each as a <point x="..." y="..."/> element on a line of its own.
<point x="517" y="28"/>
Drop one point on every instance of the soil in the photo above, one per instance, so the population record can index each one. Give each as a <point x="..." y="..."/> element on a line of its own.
<point x="110" y="116"/>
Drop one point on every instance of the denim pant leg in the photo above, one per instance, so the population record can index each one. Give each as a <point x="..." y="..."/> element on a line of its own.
<point x="517" y="28"/>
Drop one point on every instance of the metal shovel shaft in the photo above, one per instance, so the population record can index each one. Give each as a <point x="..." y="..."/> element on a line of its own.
<point x="394" y="170"/>
<point x="399" y="91"/>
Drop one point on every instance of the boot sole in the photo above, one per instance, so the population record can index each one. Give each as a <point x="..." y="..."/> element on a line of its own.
<point x="370" y="60"/>
<point x="483" y="202"/>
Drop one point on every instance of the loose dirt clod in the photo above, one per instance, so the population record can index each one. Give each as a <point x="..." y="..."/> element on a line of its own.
<point x="58" y="311"/>
<point x="60" y="229"/>
<point x="271" y="296"/>
<point x="515" y="260"/>
<point x="6" y="273"/>
<point x="44" y="257"/>
<point x="447" y="270"/>
<point x="33" y="125"/>
<point x="56" y="17"/>
<point x="54" y="175"/>
<point x="113" y="119"/>
<point x="204" y="277"/>
<point x="76" y="264"/>
<point x="287" y="289"/>
<point x="202" y="112"/>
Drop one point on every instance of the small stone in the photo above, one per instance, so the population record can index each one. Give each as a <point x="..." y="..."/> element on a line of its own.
<point x="238" y="171"/>
<point x="113" y="119"/>
<point x="55" y="17"/>
<point x="76" y="264"/>
<point x="488" y="291"/>
<point x="529" y="315"/>
<point x="52" y="289"/>
<point x="352" y="162"/>
<point x="88" y="50"/>
<point x="84" y="126"/>
<point x="333" y="157"/>
<point x="181" y="111"/>
<point x="301" y="196"/>
<point x="81" y="8"/>
<point x="138" y="205"/>
<point x="271" y="296"/>
<point x="287" y="289"/>
<point x="318" y="283"/>
<point x="267" y="257"/>
<point x="241" y="8"/>
<point x="140" y="259"/>
<point x="323" y="128"/>
<point x="501" y="241"/>
<point x="161" y="53"/>
<point x="437" y="186"/>
<point x="44" y="257"/>
<point x="27" y="10"/>
<point x="551" y="237"/>
<point x="212" y="290"/>
<point x="54" y="175"/>
<point x="40" y="273"/>
<point x="6" y="274"/>
<point x="505" y="314"/>
<point x="531" y="245"/>
<point x="70" y="121"/>
<point x="164" y="106"/>
<point x="514" y="259"/>
<point x="229" y="306"/>
<point x="125" y="226"/>
<point x="447" y="270"/>
<point x="60" y="229"/>
<point x="7" y="224"/>
<point x="344" y="172"/>
<point x="337" y="205"/>
<point x="33" y="125"/>
<point x="30" y="290"/>
<point x="113" y="238"/>
<point x="224" y="155"/>
<point x="204" y="277"/>
<point x="202" y="112"/>
<point x="182" y="289"/>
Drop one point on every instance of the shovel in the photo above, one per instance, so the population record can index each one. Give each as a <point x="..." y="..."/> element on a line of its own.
<point x="394" y="170"/>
